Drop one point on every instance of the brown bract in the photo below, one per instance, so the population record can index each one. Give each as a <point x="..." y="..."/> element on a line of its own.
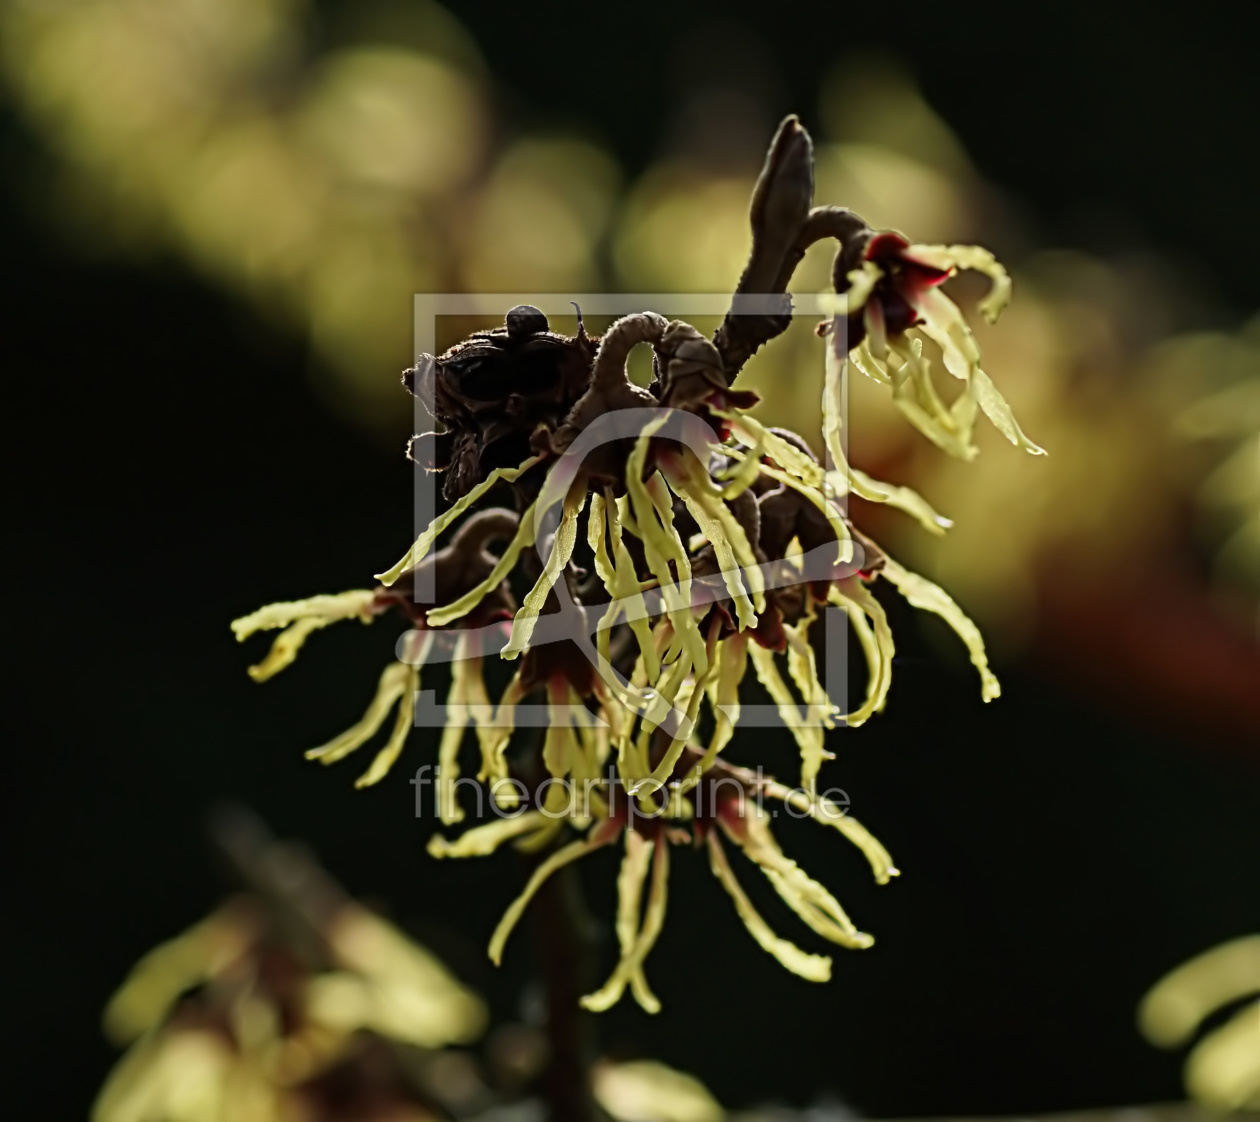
<point x="896" y="294"/>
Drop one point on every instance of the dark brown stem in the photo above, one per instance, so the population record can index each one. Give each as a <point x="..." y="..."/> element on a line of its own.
<point x="780" y="204"/>
<point x="783" y="228"/>
<point x="562" y="931"/>
<point x="838" y="222"/>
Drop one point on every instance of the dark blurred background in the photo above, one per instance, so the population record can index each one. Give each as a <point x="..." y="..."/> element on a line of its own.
<point x="180" y="453"/>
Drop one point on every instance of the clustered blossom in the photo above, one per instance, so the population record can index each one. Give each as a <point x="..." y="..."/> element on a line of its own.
<point x="671" y="541"/>
<point x="892" y="286"/>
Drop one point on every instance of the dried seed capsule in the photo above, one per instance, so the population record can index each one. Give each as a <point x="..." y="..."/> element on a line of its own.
<point x="494" y="390"/>
<point x="525" y="320"/>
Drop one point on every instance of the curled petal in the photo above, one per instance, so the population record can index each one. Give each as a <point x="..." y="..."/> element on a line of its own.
<point x="626" y="588"/>
<point x="481" y="841"/>
<point x="634" y="870"/>
<point x="741" y="475"/>
<point x="403" y="722"/>
<point x="844" y="477"/>
<point x="561" y="552"/>
<point x="805" y="727"/>
<point x="690" y="693"/>
<point x="672" y="691"/>
<point x="329" y="609"/>
<point x="820" y="910"/>
<point x="876" y="640"/>
<point x="653" y="923"/>
<point x="797" y="463"/>
<point x="565" y="855"/>
<point x="823" y="917"/>
<point x="424" y="542"/>
<point x="736" y="560"/>
<point x="299" y="618"/>
<point x="803" y="669"/>
<point x="943" y="323"/>
<point x="457" y="609"/>
<point x="635" y="941"/>
<point x="478" y="708"/>
<point x="457" y="717"/>
<point x="914" y="394"/>
<point x="723" y="693"/>
<point x="923" y="594"/>
<point x="661" y="545"/>
<point x="812" y="967"/>
<point x="832" y="814"/>
<point x="285" y="648"/>
<point x="999" y="412"/>
<point x="396" y="681"/>
<point x="977" y="259"/>
<point x="495" y="737"/>
<point x="905" y="499"/>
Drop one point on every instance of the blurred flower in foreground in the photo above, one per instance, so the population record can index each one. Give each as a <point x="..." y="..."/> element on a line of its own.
<point x="713" y="543"/>
<point x="648" y="1091"/>
<point x="1223" y="1071"/>
<point x="290" y="1003"/>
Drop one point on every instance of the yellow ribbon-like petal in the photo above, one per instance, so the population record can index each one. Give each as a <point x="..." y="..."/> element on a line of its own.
<point x="565" y="855"/>
<point x="635" y="941"/>
<point x="457" y="609"/>
<point x="396" y="681"/>
<point x="876" y="640"/>
<point x="805" y="727"/>
<point x="812" y="967"/>
<point x="481" y="841"/>
<point x="832" y="814"/>
<point x="424" y="542"/>
<point x="557" y="559"/>
<point x="929" y="597"/>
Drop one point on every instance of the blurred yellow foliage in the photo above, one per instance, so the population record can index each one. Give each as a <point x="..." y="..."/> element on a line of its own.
<point x="648" y="1091"/>
<point x="241" y="1017"/>
<point x="1223" y="1071"/>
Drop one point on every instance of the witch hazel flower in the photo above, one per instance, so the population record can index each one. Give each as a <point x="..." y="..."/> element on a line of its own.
<point x="725" y="807"/>
<point x="634" y="553"/>
<point x="890" y="302"/>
